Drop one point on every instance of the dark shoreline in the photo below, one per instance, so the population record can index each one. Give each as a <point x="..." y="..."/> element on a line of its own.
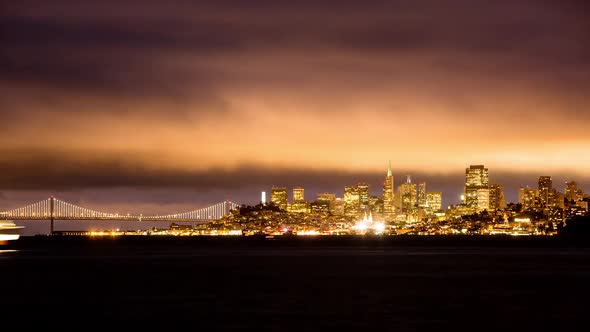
<point x="456" y="241"/>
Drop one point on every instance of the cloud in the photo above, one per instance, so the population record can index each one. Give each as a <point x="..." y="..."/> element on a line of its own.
<point x="109" y="181"/>
<point x="224" y="94"/>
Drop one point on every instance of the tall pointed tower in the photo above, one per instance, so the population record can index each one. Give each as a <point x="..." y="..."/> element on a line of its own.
<point x="388" y="196"/>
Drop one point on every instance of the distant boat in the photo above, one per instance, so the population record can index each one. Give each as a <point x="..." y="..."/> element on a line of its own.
<point x="8" y="231"/>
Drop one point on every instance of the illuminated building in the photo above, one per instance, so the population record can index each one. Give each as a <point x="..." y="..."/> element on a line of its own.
<point x="571" y="190"/>
<point x="422" y="194"/>
<point x="364" y="198"/>
<point x="376" y="206"/>
<point x="338" y="209"/>
<point x="572" y="193"/>
<point x="351" y="201"/>
<point x="456" y="211"/>
<point x="356" y="200"/>
<point x="328" y="197"/>
<point x="299" y="207"/>
<point x="324" y="201"/>
<point x="557" y="199"/>
<point x="263" y="197"/>
<point x="298" y="195"/>
<point x="545" y="190"/>
<point x="388" y="196"/>
<point x="320" y="207"/>
<point x="483" y="199"/>
<point x="407" y="193"/>
<point x="299" y="204"/>
<point x="476" y="187"/>
<point x="529" y="198"/>
<point x="434" y="200"/>
<point x="497" y="201"/>
<point x="278" y="196"/>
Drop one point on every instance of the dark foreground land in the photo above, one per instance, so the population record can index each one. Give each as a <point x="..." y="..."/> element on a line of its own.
<point x="298" y="284"/>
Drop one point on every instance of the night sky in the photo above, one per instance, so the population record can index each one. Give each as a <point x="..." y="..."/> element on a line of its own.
<point x="165" y="106"/>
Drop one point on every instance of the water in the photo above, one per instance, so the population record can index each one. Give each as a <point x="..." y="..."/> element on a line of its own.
<point x="299" y="284"/>
<point x="35" y="227"/>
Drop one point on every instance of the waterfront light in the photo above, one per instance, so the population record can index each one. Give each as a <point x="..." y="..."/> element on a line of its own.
<point x="361" y="226"/>
<point x="312" y="232"/>
<point x="379" y="227"/>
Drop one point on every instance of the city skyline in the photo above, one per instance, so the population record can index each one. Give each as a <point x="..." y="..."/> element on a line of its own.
<point x="162" y="104"/>
<point x="156" y="200"/>
<point x="476" y="178"/>
<point x="292" y="189"/>
<point x="412" y="208"/>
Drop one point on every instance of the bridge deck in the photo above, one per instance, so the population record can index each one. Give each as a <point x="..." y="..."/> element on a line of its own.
<point x="110" y="219"/>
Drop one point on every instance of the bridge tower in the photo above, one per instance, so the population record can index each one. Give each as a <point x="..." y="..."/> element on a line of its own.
<point x="226" y="207"/>
<point x="51" y="214"/>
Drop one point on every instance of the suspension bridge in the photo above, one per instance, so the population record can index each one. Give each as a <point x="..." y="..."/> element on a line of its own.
<point x="54" y="209"/>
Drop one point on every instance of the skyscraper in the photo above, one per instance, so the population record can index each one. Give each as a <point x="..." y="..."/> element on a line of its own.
<point x="388" y="196"/>
<point x="545" y="190"/>
<point x="299" y="204"/>
<point x="339" y="206"/>
<point x="572" y="192"/>
<point x="422" y="194"/>
<point x="497" y="200"/>
<point x="434" y="201"/>
<point x="483" y="199"/>
<point x="477" y="187"/>
<point x="298" y="194"/>
<point x="327" y="200"/>
<point x="407" y="193"/>
<point x="278" y="196"/>
<point x="556" y="199"/>
<point x="351" y="201"/>
<point x="529" y="198"/>
<point x="364" y="201"/>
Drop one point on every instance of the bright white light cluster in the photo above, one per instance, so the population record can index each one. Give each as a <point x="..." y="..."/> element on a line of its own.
<point x="369" y="224"/>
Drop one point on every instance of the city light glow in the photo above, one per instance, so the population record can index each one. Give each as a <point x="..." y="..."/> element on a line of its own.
<point x="311" y="232"/>
<point x="379" y="227"/>
<point x="361" y="226"/>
